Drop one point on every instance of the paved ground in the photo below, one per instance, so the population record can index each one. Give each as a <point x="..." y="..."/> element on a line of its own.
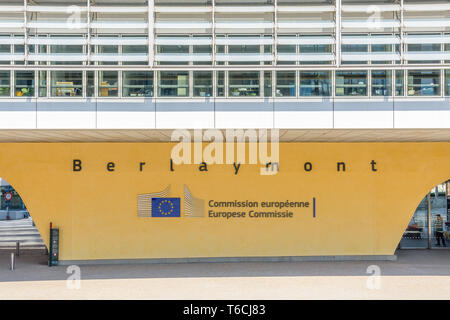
<point x="418" y="274"/>
<point x="23" y="231"/>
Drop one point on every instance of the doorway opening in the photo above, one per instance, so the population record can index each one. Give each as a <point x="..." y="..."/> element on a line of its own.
<point x="17" y="229"/>
<point x="429" y="227"/>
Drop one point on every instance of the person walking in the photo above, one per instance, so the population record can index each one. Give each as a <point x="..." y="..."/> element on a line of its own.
<point x="439" y="230"/>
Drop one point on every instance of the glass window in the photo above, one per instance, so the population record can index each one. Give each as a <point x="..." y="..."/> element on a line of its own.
<point x="5" y="83"/>
<point x="287" y="49"/>
<point x="42" y="80"/>
<point x="220" y="49"/>
<point x="5" y="48"/>
<point x="268" y="49"/>
<point x="173" y="50"/>
<point x="203" y="84"/>
<point x="108" y="82"/>
<point x="381" y="48"/>
<point x="243" y="49"/>
<point x="90" y="83"/>
<point x="381" y="82"/>
<point x="243" y="84"/>
<point x="286" y="86"/>
<point x="399" y="83"/>
<point x="137" y="84"/>
<point x="424" y="47"/>
<point x="267" y="83"/>
<point x="173" y="84"/>
<point x="447" y="82"/>
<point x="107" y="49"/>
<point x="311" y="49"/>
<point x="351" y="83"/>
<point x="135" y="49"/>
<point x="424" y="83"/>
<point x="19" y="48"/>
<point x="202" y="50"/>
<point x="220" y="83"/>
<point x="67" y="84"/>
<point x="315" y="84"/>
<point x="66" y="49"/>
<point x="24" y="83"/>
<point x="355" y="48"/>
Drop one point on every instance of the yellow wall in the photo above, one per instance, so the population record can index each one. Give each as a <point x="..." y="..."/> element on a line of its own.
<point x="359" y="212"/>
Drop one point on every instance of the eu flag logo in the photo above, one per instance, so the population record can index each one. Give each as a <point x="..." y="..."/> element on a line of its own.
<point x="166" y="207"/>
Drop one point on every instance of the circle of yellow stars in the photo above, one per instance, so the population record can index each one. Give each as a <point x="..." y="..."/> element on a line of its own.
<point x="164" y="212"/>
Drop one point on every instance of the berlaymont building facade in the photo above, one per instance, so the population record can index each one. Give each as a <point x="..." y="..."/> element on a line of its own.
<point x="356" y="92"/>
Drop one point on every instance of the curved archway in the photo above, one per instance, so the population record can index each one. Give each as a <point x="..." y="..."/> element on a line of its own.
<point x="429" y="226"/>
<point x="16" y="224"/>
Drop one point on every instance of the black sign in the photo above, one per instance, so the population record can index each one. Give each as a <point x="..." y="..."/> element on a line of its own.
<point x="53" y="255"/>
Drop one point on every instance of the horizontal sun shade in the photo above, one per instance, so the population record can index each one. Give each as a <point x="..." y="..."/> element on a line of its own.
<point x="183" y="57"/>
<point x="9" y="24"/>
<point x="428" y="56"/>
<point x="60" y="9"/>
<point x="183" y="41"/>
<point x="119" y="57"/>
<point x="58" y="40"/>
<point x="244" y="57"/>
<point x="283" y="24"/>
<point x="131" y="9"/>
<point x="370" y="24"/>
<point x="251" y="9"/>
<point x="120" y="41"/>
<point x="12" y="57"/>
<point x="368" y="9"/>
<point x="182" y="9"/>
<point x="426" y="38"/>
<point x="427" y="7"/>
<point x="244" y="41"/>
<point x="57" y="57"/>
<point x="119" y="25"/>
<point x="244" y="25"/>
<point x="306" y="40"/>
<point x="372" y="56"/>
<point x="11" y="40"/>
<point x="183" y="25"/>
<point x="69" y="24"/>
<point x="305" y="57"/>
<point x="370" y="40"/>
<point x="427" y="23"/>
<point x="305" y="8"/>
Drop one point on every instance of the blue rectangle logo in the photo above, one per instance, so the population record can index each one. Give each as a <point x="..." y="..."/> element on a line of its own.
<point x="166" y="207"/>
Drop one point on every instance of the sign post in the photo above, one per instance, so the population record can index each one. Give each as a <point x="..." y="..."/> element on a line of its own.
<point x="53" y="256"/>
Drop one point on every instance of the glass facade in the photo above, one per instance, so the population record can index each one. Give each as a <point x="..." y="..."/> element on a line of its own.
<point x="424" y="83"/>
<point x="5" y="83"/>
<point x="137" y="84"/>
<point x="243" y="84"/>
<point x="66" y="83"/>
<point x="108" y="84"/>
<point x="351" y="83"/>
<point x="381" y="82"/>
<point x="203" y="84"/>
<point x="315" y="84"/>
<point x="24" y="86"/>
<point x="173" y="84"/>
<point x="286" y="86"/>
<point x="288" y="83"/>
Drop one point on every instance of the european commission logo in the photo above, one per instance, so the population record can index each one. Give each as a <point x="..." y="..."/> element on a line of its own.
<point x="161" y="204"/>
<point x="166" y="207"/>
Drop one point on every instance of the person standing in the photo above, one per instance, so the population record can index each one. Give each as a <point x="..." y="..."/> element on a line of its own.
<point x="439" y="230"/>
